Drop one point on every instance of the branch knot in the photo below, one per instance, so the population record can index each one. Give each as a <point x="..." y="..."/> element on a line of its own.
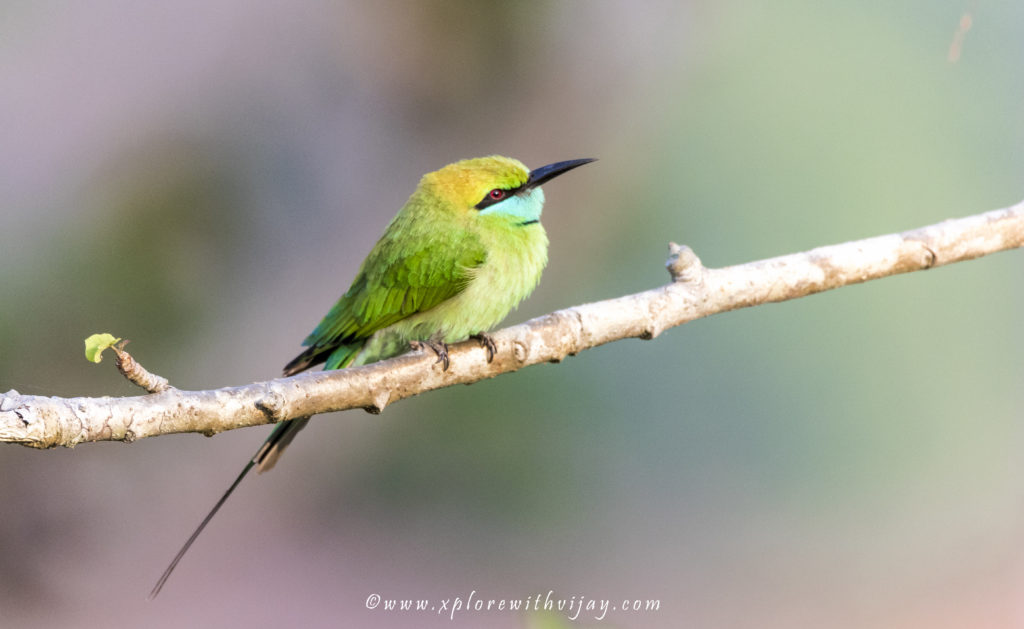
<point x="683" y="264"/>
<point x="272" y="404"/>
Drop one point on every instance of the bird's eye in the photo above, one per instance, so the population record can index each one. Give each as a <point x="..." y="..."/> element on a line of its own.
<point x="496" y="195"/>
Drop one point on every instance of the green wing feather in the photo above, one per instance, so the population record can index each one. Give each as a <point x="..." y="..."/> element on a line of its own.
<point x="398" y="279"/>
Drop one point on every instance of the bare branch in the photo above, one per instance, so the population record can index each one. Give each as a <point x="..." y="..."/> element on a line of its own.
<point x="695" y="292"/>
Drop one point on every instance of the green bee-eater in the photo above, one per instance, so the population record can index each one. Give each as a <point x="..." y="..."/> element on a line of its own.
<point x="462" y="252"/>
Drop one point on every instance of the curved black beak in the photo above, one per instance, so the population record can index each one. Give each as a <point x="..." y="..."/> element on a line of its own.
<point x="544" y="174"/>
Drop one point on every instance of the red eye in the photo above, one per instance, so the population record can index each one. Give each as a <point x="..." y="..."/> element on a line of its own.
<point x="497" y="194"/>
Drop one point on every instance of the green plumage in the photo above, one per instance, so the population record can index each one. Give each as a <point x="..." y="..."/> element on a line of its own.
<point x="462" y="252"/>
<point x="423" y="259"/>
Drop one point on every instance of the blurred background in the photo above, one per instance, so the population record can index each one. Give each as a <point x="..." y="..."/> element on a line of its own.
<point x="205" y="178"/>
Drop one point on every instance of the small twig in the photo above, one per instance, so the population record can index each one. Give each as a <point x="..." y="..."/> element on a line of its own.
<point x="136" y="373"/>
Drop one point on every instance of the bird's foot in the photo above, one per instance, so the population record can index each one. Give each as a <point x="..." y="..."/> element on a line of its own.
<point x="486" y="340"/>
<point x="440" y="348"/>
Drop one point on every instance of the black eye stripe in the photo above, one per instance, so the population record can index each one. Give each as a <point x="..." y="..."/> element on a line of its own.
<point x="488" y="201"/>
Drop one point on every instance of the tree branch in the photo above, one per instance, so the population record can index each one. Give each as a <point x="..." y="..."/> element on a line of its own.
<point x="695" y="292"/>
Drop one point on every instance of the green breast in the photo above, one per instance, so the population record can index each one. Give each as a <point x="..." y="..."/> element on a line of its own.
<point x="516" y="256"/>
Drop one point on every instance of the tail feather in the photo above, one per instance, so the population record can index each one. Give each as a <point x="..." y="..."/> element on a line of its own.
<point x="270" y="451"/>
<point x="336" y="358"/>
<point x="263" y="460"/>
<point x="310" y="357"/>
<point x="199" y="529"/>
<point x="275" y="444"/>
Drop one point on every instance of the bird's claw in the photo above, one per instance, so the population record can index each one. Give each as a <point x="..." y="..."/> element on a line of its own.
<point x="440" y="348"/>
<point x="487" y="341"/>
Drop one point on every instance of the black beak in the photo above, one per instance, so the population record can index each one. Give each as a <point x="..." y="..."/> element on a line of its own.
<point x="539" y="176"/>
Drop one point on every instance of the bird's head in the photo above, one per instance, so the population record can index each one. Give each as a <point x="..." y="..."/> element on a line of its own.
<point x="495" y="186"/>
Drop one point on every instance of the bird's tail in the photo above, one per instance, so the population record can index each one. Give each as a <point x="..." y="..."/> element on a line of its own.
<point x="275" y="444"/>
<point x="336" y="358"/>
<point x="271" y="449"/>
<point x="264" y="459"/>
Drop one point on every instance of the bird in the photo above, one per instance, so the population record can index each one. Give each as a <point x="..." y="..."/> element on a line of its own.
<point x="463" y="252"/>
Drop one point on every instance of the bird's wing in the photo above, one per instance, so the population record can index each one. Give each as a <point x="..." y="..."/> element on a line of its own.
<point x="397" y="281"/>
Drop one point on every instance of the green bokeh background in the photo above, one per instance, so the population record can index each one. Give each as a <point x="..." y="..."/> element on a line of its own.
<point x="204" y="179"/>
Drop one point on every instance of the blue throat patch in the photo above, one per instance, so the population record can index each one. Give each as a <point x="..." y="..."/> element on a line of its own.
<point x="526" y="207"/>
